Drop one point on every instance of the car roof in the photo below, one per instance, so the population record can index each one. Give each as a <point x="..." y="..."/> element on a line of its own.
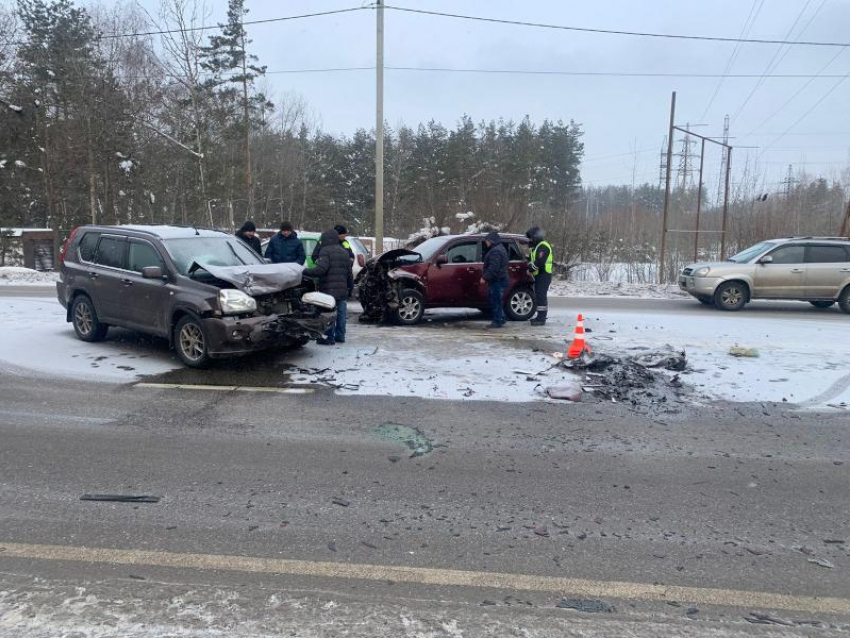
<point x="162" y="232"/>
<point x="785" y="240"/>
<point x="480" y="236"/>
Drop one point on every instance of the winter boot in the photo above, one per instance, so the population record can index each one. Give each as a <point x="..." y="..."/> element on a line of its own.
<point x="539" y="320"/>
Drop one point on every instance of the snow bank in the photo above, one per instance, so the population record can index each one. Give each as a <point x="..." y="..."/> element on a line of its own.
<point x="19" y="276"/>
<point x="561" y="288"/>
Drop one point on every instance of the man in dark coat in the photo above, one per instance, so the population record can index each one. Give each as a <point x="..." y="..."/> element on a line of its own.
<point x="285" y="247"/>
<point x="333" y="270"/>
<point x="496" y="276"/>
<point x="248" y="233"/>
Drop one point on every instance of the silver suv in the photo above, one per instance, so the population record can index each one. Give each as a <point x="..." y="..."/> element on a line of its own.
<point x="813" y="269"/>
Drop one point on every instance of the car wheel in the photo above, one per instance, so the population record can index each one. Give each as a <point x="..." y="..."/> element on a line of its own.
<point x="844" y="300"/>
<point x="190" y="342"/>
<point x="520" y="305"/>
<point x="86" y="324"/>
<point x="731" y="295"/>
<point x="411" y="307"/>
<point x="706" y="301"/>
<point x="822" y="304"/>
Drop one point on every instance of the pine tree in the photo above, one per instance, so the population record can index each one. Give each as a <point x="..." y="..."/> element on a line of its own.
<point x="233" y="72"/>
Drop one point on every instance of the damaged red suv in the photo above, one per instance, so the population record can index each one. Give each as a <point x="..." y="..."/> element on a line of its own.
<point x="442" y="272"/>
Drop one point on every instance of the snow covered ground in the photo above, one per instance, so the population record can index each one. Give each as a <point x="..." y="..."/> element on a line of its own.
<point x="20" y="276"/>
<point x="560" y="288"/>
<point x="453" y="356"/>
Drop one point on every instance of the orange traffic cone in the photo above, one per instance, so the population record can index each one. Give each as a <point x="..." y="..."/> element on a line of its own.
<point x="578" y="347"/>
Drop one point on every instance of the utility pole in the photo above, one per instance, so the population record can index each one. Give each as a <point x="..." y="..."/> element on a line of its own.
<point x="379" y="132"/>
<point x="667" y="188"/>
<point x="723" y="159"/>
<point x="845" y="226"/>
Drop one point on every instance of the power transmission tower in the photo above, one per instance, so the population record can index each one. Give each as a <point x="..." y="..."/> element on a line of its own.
<point x="686" y="169"/>
<point x="720" y="188"/>
<point x="662" y="164"/>
<point x="789" y="181"/>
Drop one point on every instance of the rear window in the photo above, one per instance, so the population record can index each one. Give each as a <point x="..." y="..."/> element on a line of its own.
<point x="87" y="245"/>
<point x="110" y="252"/>
<point x="514" y="252"/>
<point x="826" y="255"/>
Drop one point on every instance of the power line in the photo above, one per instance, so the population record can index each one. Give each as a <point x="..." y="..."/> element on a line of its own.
<point x="636" y="74"/>
<point x="776" y="59"/>
<point x="644" y="34"/>
<point x="745" y="31"/>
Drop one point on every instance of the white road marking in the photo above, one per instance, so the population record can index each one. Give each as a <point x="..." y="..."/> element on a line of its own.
<point x="224" y="388"/>
<point x="428" y="576"/>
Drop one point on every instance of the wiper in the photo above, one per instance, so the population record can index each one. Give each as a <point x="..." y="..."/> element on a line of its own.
<point x="235" y="254"/>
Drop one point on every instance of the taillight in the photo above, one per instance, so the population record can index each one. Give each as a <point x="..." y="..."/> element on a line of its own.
<point x="361" y="260"/>
<point x="64" y="249"/>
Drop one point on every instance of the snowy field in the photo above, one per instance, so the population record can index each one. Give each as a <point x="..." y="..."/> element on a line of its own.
<point x="452" y="356"/>
<point x="20" y="276"/>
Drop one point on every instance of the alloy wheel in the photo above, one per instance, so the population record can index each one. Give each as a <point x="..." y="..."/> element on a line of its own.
<point x="83" y="318"/>
<point x="521" y="303"/>
<point x="409" y="308"/>
<point x="192" y="341"/>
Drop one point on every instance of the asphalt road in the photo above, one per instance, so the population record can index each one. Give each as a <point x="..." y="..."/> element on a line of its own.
<point x="300" y="515"/>
<point x="786" y="309"/>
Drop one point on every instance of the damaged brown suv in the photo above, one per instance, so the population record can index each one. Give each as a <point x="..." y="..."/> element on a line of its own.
<point x="442" y="272"/>
<point x="205" y="291"/>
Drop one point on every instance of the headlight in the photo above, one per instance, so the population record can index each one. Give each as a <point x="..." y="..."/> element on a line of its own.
<point x="236" y="302"/>
<point x="702" y="272"/>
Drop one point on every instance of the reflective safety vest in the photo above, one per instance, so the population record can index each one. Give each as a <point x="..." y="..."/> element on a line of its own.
<point x="346" y="245"/>
<point x="547" y="267"/>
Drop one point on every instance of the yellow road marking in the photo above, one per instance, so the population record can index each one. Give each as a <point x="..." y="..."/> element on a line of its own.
<point x="429" y="576"/>
<point x="224" y="388"/>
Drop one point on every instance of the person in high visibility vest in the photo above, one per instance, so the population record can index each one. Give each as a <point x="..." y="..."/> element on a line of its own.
<point x="342" y="231"/>
<point x="540" y="263"/>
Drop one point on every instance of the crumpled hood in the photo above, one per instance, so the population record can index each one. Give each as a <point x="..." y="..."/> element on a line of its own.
<point x="259" y="279"/>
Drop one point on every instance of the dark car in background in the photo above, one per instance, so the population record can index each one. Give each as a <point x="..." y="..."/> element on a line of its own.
<point x="442" y="272"/>
<point x="205" y="291"/>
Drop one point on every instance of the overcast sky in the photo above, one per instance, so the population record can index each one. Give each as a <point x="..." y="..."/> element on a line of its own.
<point x="620" y="115"/>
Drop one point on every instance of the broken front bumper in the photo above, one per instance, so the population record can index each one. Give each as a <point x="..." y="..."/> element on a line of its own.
<point x="230" y="336"/>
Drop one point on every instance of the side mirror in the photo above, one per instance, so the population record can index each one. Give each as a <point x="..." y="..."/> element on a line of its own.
<point x="152" y="272"/>
<point x="767" y="259"/>
<point x="441" y="259"/>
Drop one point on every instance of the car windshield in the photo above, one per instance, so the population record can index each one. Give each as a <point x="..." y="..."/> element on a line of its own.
<point x="358" y="246"/>
<point x="430" y="247"/>
<point x="214" y="251"/>
<point x="753" y="251"/>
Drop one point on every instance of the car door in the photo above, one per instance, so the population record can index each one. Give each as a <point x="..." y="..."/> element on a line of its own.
<point x="145" y="302"/>
<point x="455" y="283"/>
<point x="105" y="275"/>
<point x="827" y="270"/>
<point x="518" y="266"/>
<point x="784" y="276"/>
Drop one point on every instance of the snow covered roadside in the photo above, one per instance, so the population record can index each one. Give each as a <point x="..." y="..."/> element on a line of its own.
<point x="799" y="362"/>
<point x="19" y="276"/>
<point x="452" y="356"/>
<point x="34" y="337"/>
<point x="560" y="288"/>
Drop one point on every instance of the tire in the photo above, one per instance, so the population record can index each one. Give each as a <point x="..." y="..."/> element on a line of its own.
<point x="190" y="343"/>
<point x="520" y="304"/>
<point x="86" y="324"/>
<point x="822" y="304"/>
<point x="844" y="300"/>
<point x="706" y="301"/>
<point x="731" y="295"/>
<point x="411" y="308"/>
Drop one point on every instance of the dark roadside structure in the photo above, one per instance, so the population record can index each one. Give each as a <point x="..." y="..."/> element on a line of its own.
<point x="442" y="272"/>
<point x="205" y="291"/>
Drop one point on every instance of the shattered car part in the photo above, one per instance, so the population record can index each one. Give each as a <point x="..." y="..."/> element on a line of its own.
<point x="668" y="359"/>
<point x="377" y="290"/>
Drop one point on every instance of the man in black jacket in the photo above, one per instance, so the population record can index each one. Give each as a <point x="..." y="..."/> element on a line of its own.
<point x="496" y="276"/>
<point x="333" y="269"/>
<point x="285" y="247"/>
<point x="248" y="234"/>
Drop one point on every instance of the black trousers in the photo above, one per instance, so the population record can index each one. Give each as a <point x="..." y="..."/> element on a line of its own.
<point x="541" y="293"/>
